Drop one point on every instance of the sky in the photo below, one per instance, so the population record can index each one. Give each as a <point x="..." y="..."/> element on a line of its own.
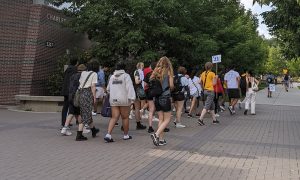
<point x="257" y="9"/>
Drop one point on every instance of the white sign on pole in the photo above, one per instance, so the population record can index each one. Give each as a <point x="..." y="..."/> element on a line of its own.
<point x="272" y="87"/>
<point x="216" y="59"/>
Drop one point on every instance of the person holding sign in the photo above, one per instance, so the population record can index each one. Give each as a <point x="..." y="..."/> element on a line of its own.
<point x="270" y="83"/>
<point x="208" y="80"/>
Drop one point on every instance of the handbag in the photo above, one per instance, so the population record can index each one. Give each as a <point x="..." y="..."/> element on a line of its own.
<point x="164" y="102"/>
<point x="254" y="86"/>
<point x="140" y="92"/>
<point x="106" y="108"/>
<point x="78" y="92"/>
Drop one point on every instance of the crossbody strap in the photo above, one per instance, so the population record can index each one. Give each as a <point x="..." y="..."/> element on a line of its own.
<point x="87" y="79"/>
<point x="195" y="86"/>
<point x="206" y="73"/>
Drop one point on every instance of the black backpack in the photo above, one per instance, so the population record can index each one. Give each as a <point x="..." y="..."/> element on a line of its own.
<point x="286" y="77"/>
<point x="269" y="80"/>
<point x="155" y="88"/>
<point x="243" y="82"/>
<point x="74" y="84"/>
<point x="177" y="84"/>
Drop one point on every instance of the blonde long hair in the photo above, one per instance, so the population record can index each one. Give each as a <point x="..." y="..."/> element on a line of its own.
<point x="163" y="67"/>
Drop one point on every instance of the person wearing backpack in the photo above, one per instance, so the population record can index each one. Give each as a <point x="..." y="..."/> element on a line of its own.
<point x="208" y="80"/>
<point x="73" y="111"/>
<point x="286" y="80"/>
<point x="163" y="78"/>
<point x="121" y="96"/>
<point x="195" y="92"/>
<point x="140" y="100"/>
<point x="150" y="99"/>
<point x="270" y="81"/>
<point x="65" y="88"/>
<point x="180" y="86"/>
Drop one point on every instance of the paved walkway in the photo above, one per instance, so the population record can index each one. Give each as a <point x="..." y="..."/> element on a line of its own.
<point x="265" y="146"/>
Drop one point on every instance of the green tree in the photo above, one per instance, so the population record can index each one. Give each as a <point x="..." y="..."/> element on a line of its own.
<point x="188" y="31"/>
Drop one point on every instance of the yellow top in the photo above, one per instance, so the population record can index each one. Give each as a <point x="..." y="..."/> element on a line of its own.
<point x="208" y="83"/>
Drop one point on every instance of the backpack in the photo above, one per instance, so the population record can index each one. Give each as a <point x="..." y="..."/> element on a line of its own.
<point x="286" y="77"/>
<point x="270" y="80"/>
<point x="155" y="88"/>
<point x="74" y="84"/>
<point x="177" y="84"/>
<point x="243" y="83"/>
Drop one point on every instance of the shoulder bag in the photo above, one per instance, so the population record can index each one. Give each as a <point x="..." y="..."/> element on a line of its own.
<point x="78" y="92"/>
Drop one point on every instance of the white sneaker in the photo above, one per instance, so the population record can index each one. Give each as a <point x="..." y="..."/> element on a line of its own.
<point x="179" y="125"/>
<point x="66" y="131"/>
<point x="94" y="114"/>
<point x="86" y="129"/>
<point x="145" y="116"/>
<point x="222" y="108"/>
<point x="155" y="119"/>
<point x="132" y="113"/>
<point x="174" y="109"/>
<point x="130" y="117"/>
<point x="217" y="115"/>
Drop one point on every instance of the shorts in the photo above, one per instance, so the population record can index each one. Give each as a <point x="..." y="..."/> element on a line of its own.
<point x="73" y="110"/>
<point x="163" y="103"/>
<point x="234" y="93"/>
<point x="178" y="96"/>
<point x="149" y="98"/>
<point x="99" y="92"/>
<point x="209" y="103"/>
<point x="196" y="94"/>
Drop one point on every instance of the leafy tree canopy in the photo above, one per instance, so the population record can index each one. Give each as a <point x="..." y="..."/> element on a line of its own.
<point x="188" y="31"/>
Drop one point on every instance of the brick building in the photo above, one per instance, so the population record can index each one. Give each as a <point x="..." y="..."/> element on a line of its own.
<point x="31" y="40"/>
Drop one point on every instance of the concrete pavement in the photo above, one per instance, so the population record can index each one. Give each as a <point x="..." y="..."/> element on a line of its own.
<point x="265" y="146"/>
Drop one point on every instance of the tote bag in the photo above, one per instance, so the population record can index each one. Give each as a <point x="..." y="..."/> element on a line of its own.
<point x="106" y="109"/>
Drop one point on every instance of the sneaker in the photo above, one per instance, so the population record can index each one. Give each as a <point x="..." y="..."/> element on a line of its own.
<point x="253" y="114"/>
<point x="245" y="112"/>
<point x="145" y="116"/>
<point x="154" y="139"/>
<point x="216" y="122"/>
<point x="166" y="130"/>
<point x="200" y="122"/>
<point x="108" y="140"/>
<point x="140" y="127"/>
<point x="198" y="115"/>
<point x="86" y="129"/>
<point x="130" y="117"/>
<point x="217" y="115"/>
<point x="230" y="110"/>
<point x="116" y="124"/>
<point x="186" y="111"/>
<point x="150" y="129"/>
<point x="233" y="112"/>
<point x="179" y="125"/>
<point x="189" y="116"/>
<point x="132" y="113"/>
<point x="162" y="143"/>
<point x="127" y="137"/>
<point x="174" y="109"/>
<point x="65" y="131"/>
<point x="175" y="122"/>
<point x="94" y="113"/>
<point x="155" y="119"/>
<point x="222" y="108"/>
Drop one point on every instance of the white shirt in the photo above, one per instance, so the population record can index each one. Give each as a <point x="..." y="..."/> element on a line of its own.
<point x="93" y="79"/>
<point x="231" y="78"/>
<point x="194" y="85"/>
<point x="183" y="80"/>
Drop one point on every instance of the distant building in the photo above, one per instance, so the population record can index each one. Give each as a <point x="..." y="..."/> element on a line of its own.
<point x="31" y="40"/>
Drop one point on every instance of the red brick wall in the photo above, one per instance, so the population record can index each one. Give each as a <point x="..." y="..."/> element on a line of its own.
<point x="14" y="15"/>
<point x="25" y="60"/>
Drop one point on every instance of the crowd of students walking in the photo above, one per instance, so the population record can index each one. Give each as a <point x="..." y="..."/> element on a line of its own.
<point x="147" y="91"/>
